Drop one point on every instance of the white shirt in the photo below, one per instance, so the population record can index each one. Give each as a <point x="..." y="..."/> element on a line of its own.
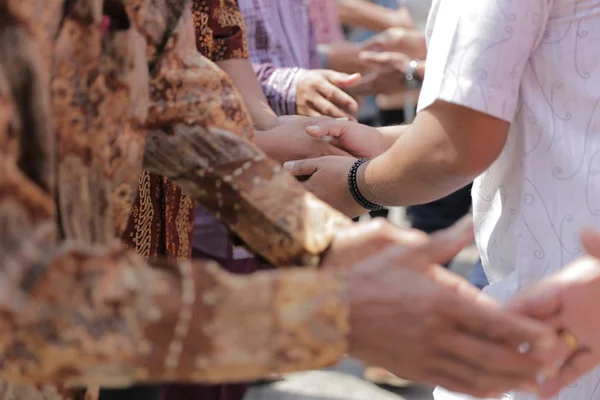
<point x="536" y="64"/>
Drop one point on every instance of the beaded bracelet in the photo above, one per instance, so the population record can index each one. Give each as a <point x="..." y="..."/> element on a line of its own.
<point x="353" y="186"/>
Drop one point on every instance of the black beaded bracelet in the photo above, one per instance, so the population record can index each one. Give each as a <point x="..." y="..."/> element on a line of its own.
<point x="353" y="186"/>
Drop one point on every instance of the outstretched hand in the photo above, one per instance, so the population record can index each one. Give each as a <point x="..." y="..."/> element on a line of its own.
<point x="424" y="323"/>
<point x="569" y="301"/>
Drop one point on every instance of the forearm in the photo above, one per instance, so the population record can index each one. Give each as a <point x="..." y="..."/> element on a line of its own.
<point x="392" y="133"/>
<point x="364" y="14"/>
<point x="344" y="57"/>
<point x="252" y="194"/>
<point x="207" y="154"/>
<point x="418" y="168"/>
<point x="244" y="78"/>
<point x="125" y="322"/>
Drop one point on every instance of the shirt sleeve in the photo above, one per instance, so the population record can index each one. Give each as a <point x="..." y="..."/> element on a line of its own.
<point x="280" y="86"/>
<point x="220" y="29"/>
<point x="478" y="50"/>
<point x="76" y="313"/>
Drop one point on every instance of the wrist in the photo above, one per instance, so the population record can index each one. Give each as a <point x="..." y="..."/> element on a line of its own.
<point x="357" y="185"/>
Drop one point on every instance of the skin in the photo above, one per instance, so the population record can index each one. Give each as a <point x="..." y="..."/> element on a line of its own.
<point x="452" y="345"/>
<point x="411" y="42"/>
<point x="320" y="93"/>
<point x="281" y="139"/>
<point x="567" y="299"/>
<point x="384" y="288"/>
<point x="367" y="15"/>
<point x="429" y="157"/>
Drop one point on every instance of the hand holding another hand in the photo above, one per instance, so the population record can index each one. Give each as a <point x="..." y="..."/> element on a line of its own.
<point x="424" y="323"/>
<point x="289" y="140"/>
<point x="569" y="301"/>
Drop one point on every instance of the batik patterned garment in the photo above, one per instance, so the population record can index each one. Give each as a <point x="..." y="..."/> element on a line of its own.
<point x="162" y="217"/>
<point x="76" y="130"/>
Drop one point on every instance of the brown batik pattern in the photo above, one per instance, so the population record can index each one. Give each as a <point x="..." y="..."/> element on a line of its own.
<point x="79" y="309"/>
<point x="161" y="221"/>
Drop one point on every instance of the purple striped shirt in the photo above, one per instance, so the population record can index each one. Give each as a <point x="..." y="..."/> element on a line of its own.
<point x="282" y="46"/>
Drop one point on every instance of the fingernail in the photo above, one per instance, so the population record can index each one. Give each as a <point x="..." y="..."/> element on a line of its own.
<point x="314" y="128"/>
<point x="337" y="119"/>
<point x="289" y="165"/>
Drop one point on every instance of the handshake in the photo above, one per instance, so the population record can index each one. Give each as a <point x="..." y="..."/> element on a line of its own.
<point x="414" y="318"/>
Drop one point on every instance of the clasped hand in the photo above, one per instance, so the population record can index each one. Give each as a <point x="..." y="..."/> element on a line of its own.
<point x="450" y="333"/>
<point x="425" y="323"/>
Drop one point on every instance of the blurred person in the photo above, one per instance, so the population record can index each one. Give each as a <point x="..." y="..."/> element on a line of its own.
<point x="283" y="48"/>
<point x="498" y="105"/>
<point x="111" y="318"/>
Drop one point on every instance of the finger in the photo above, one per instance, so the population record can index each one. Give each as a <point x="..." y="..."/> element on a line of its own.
<point x="394" y="60"/>
<point x="444" y="245"/>
<point x="492" y="357"/>
<point x="479" y="316"/>
<point x="326" y="107"/>
<point x="340" y="79"/>
<point x="574" y="368"/>
<point x="483" y="383"/>
<point x="338" y="97"/>
<point x="333" y="128"/>
<point x="302" y="167"/>
<point x="542" y="301"/>
<point x="325" y="149"/>
<point x="313" y="113"/>
<point x="591" y="242"/>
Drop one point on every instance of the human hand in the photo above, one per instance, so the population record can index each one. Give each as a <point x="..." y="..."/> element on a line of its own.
<point x="359" y="140"/>
<point x="327" y="178"/>
<point x="387" y="74"/>
<point x="410" y="42"/>
<point x="320" y="93"/>
<point x="365" y="239"/>
<point x="569" y="301"/>
<point x="426" y="324"/>
<point x="402" y="18"/>
<point x="289" y="141"/>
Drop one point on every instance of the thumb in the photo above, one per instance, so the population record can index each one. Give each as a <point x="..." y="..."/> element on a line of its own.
<point x="333" y="128"/>
<point x="388" y="59"/>
<point x="591" y="242"/>
<point x="444" y="245"/>
<point x="342" y="80"/>
<point x="542" y="301"/>
<point x="302" y="167"/>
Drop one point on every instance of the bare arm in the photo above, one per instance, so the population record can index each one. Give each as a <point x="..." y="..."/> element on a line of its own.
<point x="208" y="155"/>
<point x="364" y="14"/>
<point x="443" y="150"/>
<point x="243" y="77"/>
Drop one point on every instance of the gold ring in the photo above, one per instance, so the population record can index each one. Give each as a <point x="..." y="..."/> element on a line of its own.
<point x="570" y="339"/>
